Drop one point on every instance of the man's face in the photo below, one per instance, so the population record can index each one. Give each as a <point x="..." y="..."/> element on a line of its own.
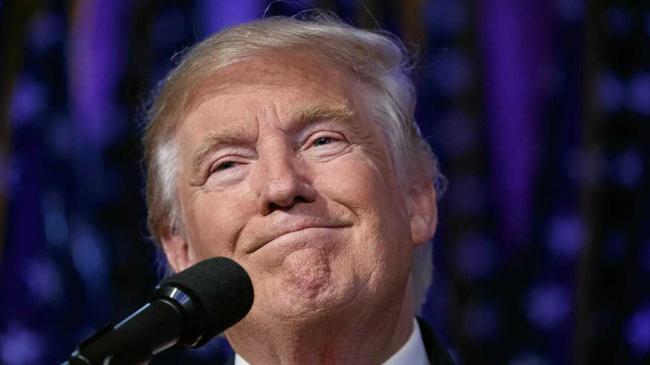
<point x="282" y="170"/>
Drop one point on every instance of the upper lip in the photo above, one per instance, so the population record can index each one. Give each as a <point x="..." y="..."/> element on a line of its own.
<point x="293" y="224"/>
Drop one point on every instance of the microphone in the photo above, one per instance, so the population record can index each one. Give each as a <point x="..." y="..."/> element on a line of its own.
<point x="188" y="308"/>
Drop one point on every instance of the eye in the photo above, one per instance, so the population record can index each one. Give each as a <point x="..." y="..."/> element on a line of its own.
<point x="325" y="143"/>
<point x="320" y="141"/>
<point x="227" y="167"/>
<point x="226" y="171"/>
<point x="224" y="166"/>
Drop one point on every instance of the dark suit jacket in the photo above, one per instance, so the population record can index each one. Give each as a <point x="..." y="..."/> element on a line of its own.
<point x="436" y="353"/>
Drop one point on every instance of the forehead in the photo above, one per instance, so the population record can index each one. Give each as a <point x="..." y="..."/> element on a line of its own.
<point x="283" y="74"/>
<point x="268" y="87"/>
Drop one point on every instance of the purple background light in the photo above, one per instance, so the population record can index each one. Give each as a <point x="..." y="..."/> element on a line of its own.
<point x="538" y="112"/>
<point x="639" y="90"/>
<point x="548" y="306"/>
<point x="515" y="46"/>
<point x="566" y="236"/>
<point x="29" y="99"/>
<point x="215" y="15"/>
<point x="638" y="331"/>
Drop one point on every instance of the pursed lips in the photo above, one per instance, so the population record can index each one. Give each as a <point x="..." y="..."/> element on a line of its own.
<point x="295" y="225"/>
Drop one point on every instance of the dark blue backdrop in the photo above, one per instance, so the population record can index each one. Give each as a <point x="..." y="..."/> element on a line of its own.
<point x="538" y="110"/>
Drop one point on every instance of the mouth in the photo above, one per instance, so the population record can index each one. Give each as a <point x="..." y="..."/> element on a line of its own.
<point x="293" y="231"/>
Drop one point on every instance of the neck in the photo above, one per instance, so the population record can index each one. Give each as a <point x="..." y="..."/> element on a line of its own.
<point x="363" y="337"/>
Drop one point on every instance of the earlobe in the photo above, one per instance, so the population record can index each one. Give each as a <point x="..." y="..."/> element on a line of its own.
<point x="423" y="212"/>
<point x="176" y="249"/>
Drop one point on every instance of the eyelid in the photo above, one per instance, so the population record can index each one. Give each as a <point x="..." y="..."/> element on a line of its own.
<point x="224" y="159"/>
<point x="216" y="177"/>
<point x="320" y="134"/>
<point x="237" y="155"/>
<point x="218" y="164"/>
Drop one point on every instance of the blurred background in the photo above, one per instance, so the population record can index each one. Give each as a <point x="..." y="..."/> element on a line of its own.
<point x="539" y="111"/>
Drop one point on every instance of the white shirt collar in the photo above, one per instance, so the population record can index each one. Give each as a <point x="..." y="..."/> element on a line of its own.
<point x="412" y="353"/>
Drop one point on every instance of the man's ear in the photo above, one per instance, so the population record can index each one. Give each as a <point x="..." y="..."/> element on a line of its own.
<point x="423" y="211"/>
<point x="176" y="248"/>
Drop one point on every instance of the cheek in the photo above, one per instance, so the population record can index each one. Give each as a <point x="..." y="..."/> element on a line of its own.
<point x="370" y="192"/>
<point x="362" y="184"/>
<point x="214" y="223"/>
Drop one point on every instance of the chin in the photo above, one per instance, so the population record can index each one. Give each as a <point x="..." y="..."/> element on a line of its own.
<point x="309" y="303"/>
<point x="309" y="285"/>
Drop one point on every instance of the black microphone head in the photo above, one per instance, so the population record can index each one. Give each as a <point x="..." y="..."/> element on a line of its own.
<point x="221" y="293"/>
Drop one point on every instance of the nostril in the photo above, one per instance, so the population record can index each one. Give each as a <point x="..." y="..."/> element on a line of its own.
<point x="300" y="199"/>
<point x="297" y="199"/>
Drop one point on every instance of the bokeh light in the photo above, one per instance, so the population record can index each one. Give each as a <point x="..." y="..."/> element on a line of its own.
<point x="537" y="110"/>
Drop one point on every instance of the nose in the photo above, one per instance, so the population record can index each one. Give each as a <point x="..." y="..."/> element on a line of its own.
<point x="282" y="183"/>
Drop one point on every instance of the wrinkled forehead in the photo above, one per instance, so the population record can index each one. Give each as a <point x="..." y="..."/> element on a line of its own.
<point x="276" y="70"/>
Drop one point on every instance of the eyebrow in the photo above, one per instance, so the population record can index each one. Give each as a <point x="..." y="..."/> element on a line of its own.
<point x="225" y="137"/>
<point x="314" y="113"/>
<point x="236" y="135"/>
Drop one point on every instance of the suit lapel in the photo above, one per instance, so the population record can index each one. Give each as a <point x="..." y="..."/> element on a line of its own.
<point x="436" y="354"/>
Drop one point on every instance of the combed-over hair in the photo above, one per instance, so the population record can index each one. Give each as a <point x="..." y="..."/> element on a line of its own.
<point x="378" y="59"/>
